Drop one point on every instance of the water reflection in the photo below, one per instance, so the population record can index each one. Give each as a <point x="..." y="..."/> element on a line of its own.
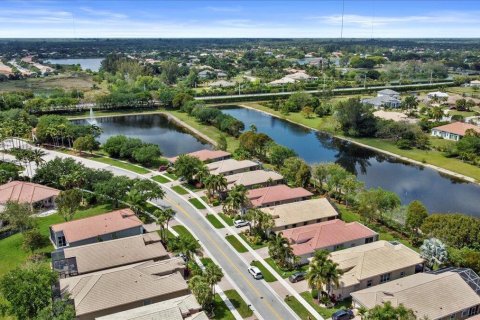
<point x="439" y="192"/>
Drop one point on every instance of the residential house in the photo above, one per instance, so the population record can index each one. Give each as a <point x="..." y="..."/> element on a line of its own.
<point x="181" y="308"/>
<point x="454" y="131"/>
<point x="388" y="93"/>
<point x="109" y="254"/>
<point x="207" y="155"/>
<point x="109" y="226"/>
<point x="276" y="195"/>
<point x="386" y="98"/>
<point x="254" y="179"/>
<point x="301" y="213"/>
<point x="475" y="83"/>
<point x="205" y="74"/>
<point x="372" y="264"/>
<point x="438" y="95"/>
<point x="281" y="81"/>
<point x="449" y="294"/>
<point x="232" y="166"/>
<point x="329" y="235"/>
<point x="35" y="195"/>
<point x="110" y="291"/>
<point x="222" y="84"/>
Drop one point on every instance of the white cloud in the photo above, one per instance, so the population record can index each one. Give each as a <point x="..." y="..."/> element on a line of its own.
<point x="224" y="9"/>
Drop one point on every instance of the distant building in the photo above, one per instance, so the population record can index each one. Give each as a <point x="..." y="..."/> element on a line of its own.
<point x="447" y="294"/>
<point x="222" y="84"/>
<point x="437" y="94"/>
<point x="254" y="179"/>
<point x="454" y="131"/>
<point x="232" y="166"/>
<point x="35" y="195"/>
<point x="372" y="264"/>
<point x="276" y="195"/>
<point x="108" y="226"/>
<point x="475" y="83"/>
<point x="386" y="98"/>
<point x="388" y="93"/>
<point x="207" y="156"/>
<point x="330" y="235"/>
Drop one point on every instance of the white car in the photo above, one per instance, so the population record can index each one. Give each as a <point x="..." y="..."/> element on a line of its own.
<point x="255" y="272"/>
<point x="240" y="223"/>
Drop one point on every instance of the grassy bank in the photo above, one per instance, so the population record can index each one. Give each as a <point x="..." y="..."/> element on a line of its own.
<point x="121" y="164"/>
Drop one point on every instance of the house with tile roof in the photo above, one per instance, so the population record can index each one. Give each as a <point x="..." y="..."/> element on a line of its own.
<point x="232" y="166"/>
<point x="276" y="195"/>
<point x="454" y="131"/>
<point x="33" y="194"/>
<point x="115" y="290"/>
<point x="329" y="235"/>
<point x="207" y="155"/>
<point x="436" y="296"/>
<point x="108" y="226"/>
<point x="254" y="179"/>
<point x="181" y="308"/>
<point x="72" y="261"/>
<point x="372" y="264"/>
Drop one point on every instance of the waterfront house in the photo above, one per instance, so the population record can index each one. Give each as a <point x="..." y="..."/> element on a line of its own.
<point x="108" y="226"/>
<point x="207" y="156"/>
<point x="372" y="264"/>
<point x="447" y="294"/>
<point x="276" y="195"/>
<point x="99" y="256"/>
<point x="124" y="288"/>
<point x="181" y="308"/>
<point x="254" y="179"/>
<point x="329" y="235"/>
<point x="454" y="131"/>
<point x="232" y="166"/>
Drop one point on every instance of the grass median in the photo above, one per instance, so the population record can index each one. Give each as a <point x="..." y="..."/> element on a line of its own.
<point x="298" y="308"/>
<point x="180" y="190"/>
<point x="236" y="244"/>
<point x="214" y="221"/>
<point x="160" y="179"/>
<point x="197" y="204"/>
<point x="284" y="273"/>
<point x="239" y="303"/>
<point x="267" y="275"/>
<point x="181" y="230"/>
<point x="226" y="218"/>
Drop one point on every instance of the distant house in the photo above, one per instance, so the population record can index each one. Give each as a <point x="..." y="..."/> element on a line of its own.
<point x="388" y="93"/>
<point x="222" y="84"/>
<point x="372" y="264"/>
<point x="449" y="294"/>
<point x="35" y="195"/>
<point x="109" y="226"/>
<point x="115" y="290"/>
<point x="232" y="166"/>
<point x="386" y="98"/>
<point x="276" y="195"/>
<point x="207" y="156"/>
<point x="475" y="83"/>
<point x="437" y="94"/>
<point x="254" y="179"/>
<point x="298" y="75"/>
<point x="204" y="74"/>
<point x="454" y="131"/>
<point x="281" y="81"/>
<point x="181" y="308"/>
<point x="109" y="254"/>
<point x="221" y="75"/>
<point x="330" y="235"/>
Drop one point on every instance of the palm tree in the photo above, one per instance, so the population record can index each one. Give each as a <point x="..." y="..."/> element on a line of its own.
<point x="201" y="290"/>
<point x="410" y="102"/>
<point x="236" y="200"/>
<point x="323" y="272"/>
<point x="260" y="222"/>
<point x="220" y="184"/>
<point x="37" y="156"/>
<point x="136" y="201"/>
<point x="208" y="183"/>
<point x="213" y="275"/>
<point x="202" y="174"/>
<point x="315" y="279"/>
<point x="163" y="218"/>
<point x="280" y="250"/>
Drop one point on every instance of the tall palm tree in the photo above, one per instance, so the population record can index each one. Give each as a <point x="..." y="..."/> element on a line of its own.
<point x="280" y="250"/>
<point x="213" y="275"/>
<point x="38" y="155"/>
<point x="315" y="278"/>
<point x="163" y="219"/>
<point x="209" y="184"/>
<point x="202" y="173"/>
<point x="236" y="200"/>
<point x="220" y="183"/>
<point x="323" y="272"/>
<point x="136" y="201"/>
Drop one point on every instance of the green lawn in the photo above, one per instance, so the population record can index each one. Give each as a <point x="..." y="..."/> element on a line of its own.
<point x="325" y="312"/>
<point x="236" y="244"/>
<point x="160" y="179"/>
<point x="226" y="218"/>
<point x="180" y="190"/>
<point x="253" y="246"/>
<point x="214" y="221"/>
<point x="11" y="248"/>
<point x="266" y="274"/>
<point x="171" y="175"/>
<point x="197" y="204"/>
<point x="121" y="164"/>
<point x="298" y="308"/>
<point x="284" y="274"/>
<point x="221" y="311"/>
<point x="181" y="230"/>
<point x="239" y="303"/>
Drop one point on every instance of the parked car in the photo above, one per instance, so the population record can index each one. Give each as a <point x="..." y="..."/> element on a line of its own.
<point x="297" y="276"/>
<point x="240" y="223"/>
<point x="162" y="168"/>
<point x="343" y="315"/>
<point x="255" y="272"/>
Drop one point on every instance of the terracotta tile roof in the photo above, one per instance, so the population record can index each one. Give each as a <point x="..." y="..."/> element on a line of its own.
<point x="98" y="225"/>
<point x="457" y="128"/>
<point x="25" y="192"/>
<point x="205" y="155"/>
<point x="281" y="192"/>
<point x="373" y="259"/>
<point x="307" y="239"/>
<point x="435" y="296"/>
<point x="109" y="254"/>
<point x="121" y="286"/>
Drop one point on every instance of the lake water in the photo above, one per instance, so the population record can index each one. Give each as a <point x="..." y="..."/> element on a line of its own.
<point x="85" y="63"/>
<point x="153" y="128"/>
<point x="440" y="193"/>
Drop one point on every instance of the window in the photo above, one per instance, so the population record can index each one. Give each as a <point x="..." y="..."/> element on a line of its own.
<point x="402" y="274"/>
<point x="61" y="241"/>
<point x="369" y="240"/>
<point x="385" y="278"/>
<point x="369" y="283"/>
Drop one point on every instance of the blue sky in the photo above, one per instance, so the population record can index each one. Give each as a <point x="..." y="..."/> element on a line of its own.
<point x="225" y="19"/>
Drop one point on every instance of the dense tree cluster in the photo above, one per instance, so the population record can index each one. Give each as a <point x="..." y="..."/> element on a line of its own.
<point x="132" y="149"/>
<point x="215" y="117"/>
<point x="58" y="130"/>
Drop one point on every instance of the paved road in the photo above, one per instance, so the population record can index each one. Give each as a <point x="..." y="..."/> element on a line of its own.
<point x="264" y="301"/>
<point x="346" y="90"/>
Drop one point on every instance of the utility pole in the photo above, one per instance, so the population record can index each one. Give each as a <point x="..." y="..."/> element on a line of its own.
<point x="365" y="82"/>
